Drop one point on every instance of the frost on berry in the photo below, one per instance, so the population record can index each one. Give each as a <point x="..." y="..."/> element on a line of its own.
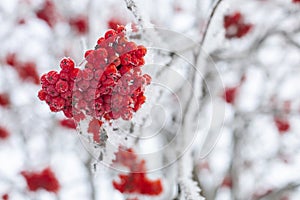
<point x="109" y="87"/>
<point x="4" y="134"/>
<point x="44" y="179"/>
<point x="235" y="25"/>
<point x="136" y="181"/>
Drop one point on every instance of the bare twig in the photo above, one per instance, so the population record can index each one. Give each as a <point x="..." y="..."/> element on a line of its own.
<point x="131" y="5"/>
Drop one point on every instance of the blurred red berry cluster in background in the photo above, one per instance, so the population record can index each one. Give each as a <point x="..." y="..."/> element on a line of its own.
<point x="44" y="179"/>
<point x="235" y="25"/>
<point x="136" y="181"/>
<point x="27" y="71"/>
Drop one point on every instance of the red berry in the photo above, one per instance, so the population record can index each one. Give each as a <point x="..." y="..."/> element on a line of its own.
<point x="83" y="85"/>
<point x="141" y="51"/>
<point x="87" y="53"/>
<point x="52" y="91"/>
<point x="4" y="99"/>
<point x="100" y="40"/>
<point x="42" y="95"/>
<point x="5" y="197"/>
<point x="80" y="24"/>
<point x="230" y="94"/>
<point x="58" y="103"/>
<point x="61" y="86"/>
<point x="68" y="123"/>
<point x="114" y="23"/>
<point x="109" y="33"/>
<point x="87" y="74"/>
<point x="4" y="134"/>
<point x="67" y="64"/>
<point x="282" y="125"/>
<point x="52" y="77"/>
<point x="11" y="59"/>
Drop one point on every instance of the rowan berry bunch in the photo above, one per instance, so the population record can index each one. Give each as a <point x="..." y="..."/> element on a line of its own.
<point x="111" y="85"/>
<point x="235" y="25"/>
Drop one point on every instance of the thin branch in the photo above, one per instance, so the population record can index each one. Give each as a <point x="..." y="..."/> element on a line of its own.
<point x="131" y="5"/>
<point x="212" y="13"/>
<point x="198" y="54"/>
<point x="90" y="179"/>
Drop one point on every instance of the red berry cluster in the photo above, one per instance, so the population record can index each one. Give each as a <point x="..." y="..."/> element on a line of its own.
<point x="235" y="26"/>
<point x="111" y="86"/>
<point x="296" y="1"/>
<point x="136" y="181"/>
<point x="4" y="100"/>
<point x="80" y="24"/>
<point x="4" y="134"/>
<point x="45" y="179"/>
<point x="27" y="71"/>
<point x="118" y="82"/>
<point x="57" y="89"/>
